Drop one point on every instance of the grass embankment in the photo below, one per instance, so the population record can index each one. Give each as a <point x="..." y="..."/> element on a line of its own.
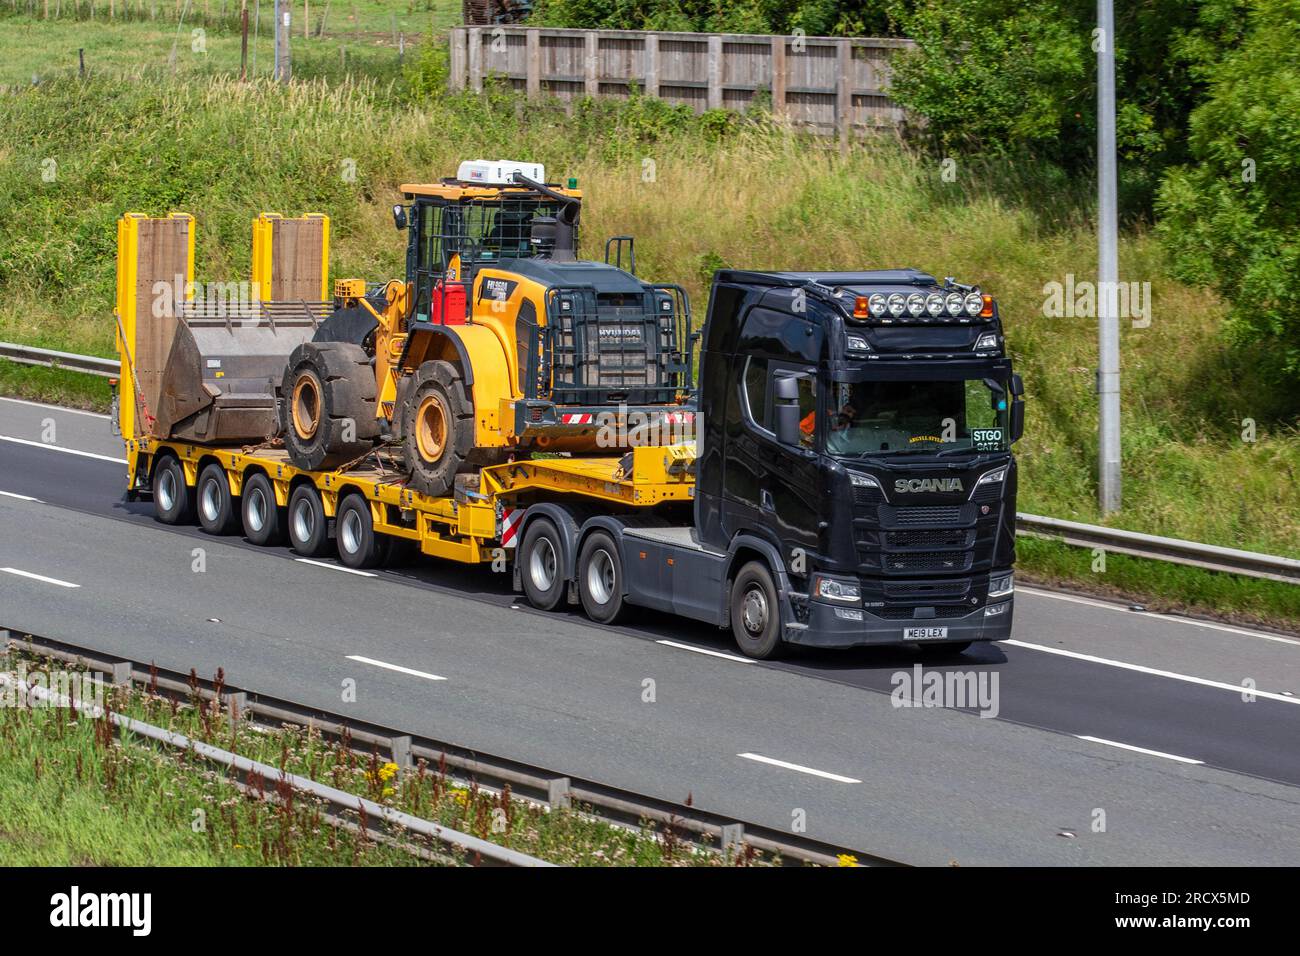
<point x="697" y="194"/>
<point x="72" y="793"/>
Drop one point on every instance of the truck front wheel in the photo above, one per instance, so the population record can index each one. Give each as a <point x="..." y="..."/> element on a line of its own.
<point x="600" y="579"/>
<point x="755" y="613"/>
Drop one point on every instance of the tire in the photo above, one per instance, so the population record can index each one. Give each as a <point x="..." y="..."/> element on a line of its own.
<point x="354" y="534"/>
<point x="173" y="500"/>
<point x="541" y="565"/>
<point x="327" y="385"/>
<point x="307" y="525"/>
<point x="755" y="612"/>
<point x="214" y="502"/>
<point x="263" y="519"/>
<point x="600" y="579"/>
<point x="437" y="420"/>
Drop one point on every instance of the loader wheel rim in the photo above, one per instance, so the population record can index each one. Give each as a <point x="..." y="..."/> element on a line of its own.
<point x="601" y="577"/>
<point x="431" y="428"/>
<point x="210" y="500"/>
<point x="306" y="407"/>
<point x="167" y="489"/>
<point x="542" y="565"/>
<point x="304" y="521"/>
<point x="350" y="532"/>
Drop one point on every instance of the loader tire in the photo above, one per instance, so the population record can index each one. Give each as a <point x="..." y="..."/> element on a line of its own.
<point x="327" y="414"/>
<point x="437" y="428"/>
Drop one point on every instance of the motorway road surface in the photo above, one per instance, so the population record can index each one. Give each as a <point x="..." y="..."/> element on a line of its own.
<point x="1103" y="715"/>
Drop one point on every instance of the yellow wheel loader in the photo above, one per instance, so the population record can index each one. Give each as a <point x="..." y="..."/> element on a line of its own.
<point x="500" y="342"/>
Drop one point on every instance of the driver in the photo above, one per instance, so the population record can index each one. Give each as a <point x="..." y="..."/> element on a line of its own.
<point x="842" y="422"/>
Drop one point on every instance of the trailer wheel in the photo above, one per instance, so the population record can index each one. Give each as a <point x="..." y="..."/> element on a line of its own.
<point x="755" y="613"/>
<point x="173" y="501"/>
<point x="216" y="506"/>
<point x="600" y="579"/>
<point x="354" y="533"/>
<point x="263" y="520"/>
<point x="437" y="428"/>
<point x="308" y="526"/>
<point x="327" y="415"/>
<point x="541" y="565"/>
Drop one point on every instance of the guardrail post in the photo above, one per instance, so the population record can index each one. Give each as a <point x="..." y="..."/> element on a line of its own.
<point x="401" y="748"/>
<point x="557" y="792"/>
<point x="236" y="702"/>
<point x="733" y="835"/>
<point x="122" y="674"/>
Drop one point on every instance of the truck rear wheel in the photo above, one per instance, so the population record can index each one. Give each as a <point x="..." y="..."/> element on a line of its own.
<point x="755" y="613"/>
<point x="541" y="565"/>
<point x="308" y="526"/>
<point x="173" y="501"/>
<point x="600" y="579"/>
<point x="216" y="506"/>
<point x="263" y="520"/>
<point x="327" y="415"/>
<point x="437" y="428"/>
<point x="354" y="533"/>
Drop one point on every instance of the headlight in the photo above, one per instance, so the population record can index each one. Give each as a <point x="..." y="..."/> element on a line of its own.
<point x="989" y="340"/>
<point x="1001" y="585"/>
<point x="860" y="480"/>
<point x="876" y="305"/>
<point x="993" y="610"/>
<point x="897" y="304"/>
<point x="915" y="305"/>
<point x="954" y="302"/>
<point x="934" y="304"/>
<point x="858" y="344"/>
<point x="991" y="477"/>
<point x="835" y="590"/>
<point x="974" y="304"/>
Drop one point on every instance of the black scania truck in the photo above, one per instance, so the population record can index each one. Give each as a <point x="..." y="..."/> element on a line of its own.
<point x="854" y="479"/>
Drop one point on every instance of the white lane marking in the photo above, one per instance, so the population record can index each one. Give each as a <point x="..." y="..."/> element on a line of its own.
<point x="1142" y="669"/>
<point x="801" y="769"/>
<point x="10" y="494"/>
<point x="66" y="451"/>
<point x="55" y="408"/>
<point x="336" y="567"/>
<point x="1170" y="618"/>
<point x="394" y="667"/>
<point x="1138" y="750"/>
<point x="40" y="577"/>
<point x="705" y="650"/>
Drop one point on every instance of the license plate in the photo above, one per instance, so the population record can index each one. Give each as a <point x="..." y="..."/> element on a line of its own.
<point x="924" y="633"/>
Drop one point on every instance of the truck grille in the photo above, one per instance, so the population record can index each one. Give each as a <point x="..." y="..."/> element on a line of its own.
<point x="932" y="515"/>
<point x="928" y="561"/>
<point x="938" y="590"/>
<point x="945" y="612"/>
<point x="934" y="538"/>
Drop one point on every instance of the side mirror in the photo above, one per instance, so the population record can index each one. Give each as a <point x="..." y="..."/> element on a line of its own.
<point x="399" y="216"/>
<point x="786" y="394"/>
<point x="1017" y="385"/>
<point x="1017" y="420"/>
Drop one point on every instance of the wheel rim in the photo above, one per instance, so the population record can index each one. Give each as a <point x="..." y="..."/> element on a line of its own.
<point x="350" y="532"/>
<point x="167" y="489"/>
<point x="431" y="428"/>
<point x="304" y="521"/>
<point x="753" y="610"/>
<point x="256" y="510"/>
<point x="542" y="564"/>
<point x="306" y="406"/>
<point x="210" y="500"/>
<point x="601" y="577"/>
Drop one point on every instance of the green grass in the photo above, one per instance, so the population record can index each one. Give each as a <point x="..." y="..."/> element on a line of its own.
<point x="74" y="794"/>
<point x="725" y="191"/>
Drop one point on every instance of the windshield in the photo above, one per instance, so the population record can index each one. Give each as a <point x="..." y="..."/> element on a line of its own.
<point x="900" y="417"/>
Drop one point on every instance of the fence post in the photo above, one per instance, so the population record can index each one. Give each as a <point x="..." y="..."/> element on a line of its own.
<point x="475" y="44"/>
<point x="533" y="85"/>
<point x="651" y="64"/>
<point x="591" y="84"/>
<point x="457" y="58"/>
<point x="715" y="72"/>
<point x="778" y="77"/>
<point x="843" y="91"/>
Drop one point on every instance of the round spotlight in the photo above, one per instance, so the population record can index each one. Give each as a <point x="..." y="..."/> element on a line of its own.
<point x="954" y="302"/>
<point x="876" y="305"/>
<point x="974" y="304"/>
<point x="897" y="304"/>
<point x="934" y="304"/>
<point x="915" y="305"/>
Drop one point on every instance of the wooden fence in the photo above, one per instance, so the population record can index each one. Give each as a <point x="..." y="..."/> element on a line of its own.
<point x="824" y="84"/>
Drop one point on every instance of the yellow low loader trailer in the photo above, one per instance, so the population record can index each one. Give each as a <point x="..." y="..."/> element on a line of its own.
<point x="361" y="511"/>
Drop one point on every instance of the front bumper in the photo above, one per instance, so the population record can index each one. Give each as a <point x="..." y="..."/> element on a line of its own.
<point x="825" y="628"/>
